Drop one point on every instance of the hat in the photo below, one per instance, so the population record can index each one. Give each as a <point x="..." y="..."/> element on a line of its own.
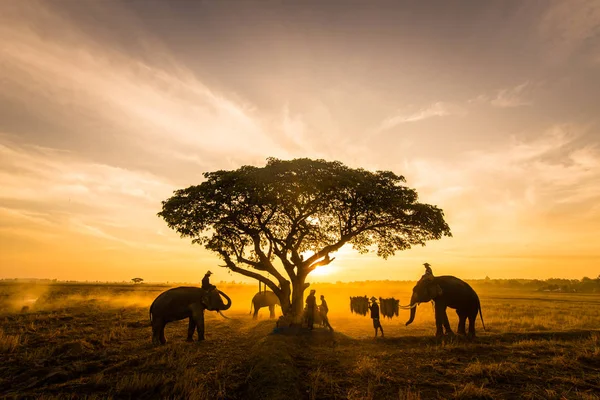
<point x="312" y="290"/>
<point x="426" y="264"/>
<point x="373" y="298"/>
<point x="208" y="273"/>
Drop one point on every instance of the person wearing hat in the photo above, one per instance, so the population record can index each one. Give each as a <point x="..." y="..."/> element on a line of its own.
<point x="311" y="303"/>
<point x="206" y="281"/>
<point x="374" y="307"/>
<point x="428" y="272"/>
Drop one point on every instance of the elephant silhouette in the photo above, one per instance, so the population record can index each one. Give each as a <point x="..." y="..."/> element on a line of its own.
<point x="264" y="299"/>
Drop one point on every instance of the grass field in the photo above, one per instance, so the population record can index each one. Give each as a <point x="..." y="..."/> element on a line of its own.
<point x="94" y="341"/>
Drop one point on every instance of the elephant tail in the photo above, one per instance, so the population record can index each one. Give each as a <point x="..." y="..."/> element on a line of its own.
<point x="481" y="316"/>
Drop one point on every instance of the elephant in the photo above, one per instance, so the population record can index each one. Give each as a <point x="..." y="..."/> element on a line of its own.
<point x="264" y="299"/>
<point x="447" y="291"/>
<point x="184" y="302"/>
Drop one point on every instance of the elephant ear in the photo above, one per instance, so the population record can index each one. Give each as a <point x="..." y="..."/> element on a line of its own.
<point x="206" y="299"/>
<point x="435" y="290"/>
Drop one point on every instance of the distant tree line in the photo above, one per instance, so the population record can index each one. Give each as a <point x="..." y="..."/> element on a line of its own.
<point x="583" y="285"/>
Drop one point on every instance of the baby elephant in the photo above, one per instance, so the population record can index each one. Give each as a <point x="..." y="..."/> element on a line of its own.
<point x="184" y="302"/>
<point x="447" y="291"/>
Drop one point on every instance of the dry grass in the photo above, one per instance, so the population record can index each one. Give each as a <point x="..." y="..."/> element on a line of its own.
<point x="471" y="391"/>
<point x="86" y="343"/>
<point x="8" y="343"/>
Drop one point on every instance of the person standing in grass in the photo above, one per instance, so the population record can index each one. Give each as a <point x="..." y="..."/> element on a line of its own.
<point x="323" y="310"/>
<point x="374" y="307"/>
<point x="311" y="303"/>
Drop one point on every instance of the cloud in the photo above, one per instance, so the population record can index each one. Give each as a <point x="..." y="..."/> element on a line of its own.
<point x="571" y="26"/>
<point x="522" y="192"/>
<point x="437" y="109"/>
<point x="512" y="97"/>
<point x="506" y="98"/>
<point x="80" y="84"/>
<point x="45" y="190"/>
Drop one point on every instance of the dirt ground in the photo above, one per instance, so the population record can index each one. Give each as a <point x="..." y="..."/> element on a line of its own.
<point x="94" y="341"/>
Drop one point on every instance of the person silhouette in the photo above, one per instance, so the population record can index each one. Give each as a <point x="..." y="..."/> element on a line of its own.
<point x="374" y="307"/>
<point x="323" y="310"/>
<point x="428" y="270"/>
<point x="206" y="282"/>
<point x="311" y="303"/>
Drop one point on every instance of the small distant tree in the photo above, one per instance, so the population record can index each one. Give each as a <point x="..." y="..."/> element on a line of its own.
<point x="279" y="223"/>
<point x="137" y="280"/>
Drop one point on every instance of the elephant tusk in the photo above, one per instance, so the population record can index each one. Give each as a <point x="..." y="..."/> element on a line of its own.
<point x="408" y="307"/>
<point x="223" y="315"/>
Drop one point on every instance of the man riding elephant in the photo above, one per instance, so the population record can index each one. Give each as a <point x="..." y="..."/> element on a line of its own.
<point x="206" y="285"/>
<point x="447" y="292"/>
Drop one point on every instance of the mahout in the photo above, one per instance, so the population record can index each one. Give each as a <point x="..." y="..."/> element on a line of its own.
<point x="184" y="302"/>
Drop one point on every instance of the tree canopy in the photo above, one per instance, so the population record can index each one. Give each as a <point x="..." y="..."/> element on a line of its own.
<point x="289" y="216"/>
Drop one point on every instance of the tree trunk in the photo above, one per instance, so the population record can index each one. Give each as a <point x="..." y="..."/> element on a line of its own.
<point x="292" y="300"/>
<point x="297" y="306"/>
<point x="284" y="298"/>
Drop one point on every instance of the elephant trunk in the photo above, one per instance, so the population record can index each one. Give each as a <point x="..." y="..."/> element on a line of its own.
<point x="413" y="310"/>
<point x="225" y="306"/>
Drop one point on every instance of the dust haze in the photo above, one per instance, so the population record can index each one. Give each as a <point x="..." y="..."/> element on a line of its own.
<point x="70" y="340"/>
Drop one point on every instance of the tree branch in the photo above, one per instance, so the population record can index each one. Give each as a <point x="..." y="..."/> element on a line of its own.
<point x="232" y="266"/>
<point x="326" y="250"/>
<point x="265" y="261"/>
<point x="325" y="261"/>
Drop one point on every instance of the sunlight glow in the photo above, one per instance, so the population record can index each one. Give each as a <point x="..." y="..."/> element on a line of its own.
<point x="324" y="271"/>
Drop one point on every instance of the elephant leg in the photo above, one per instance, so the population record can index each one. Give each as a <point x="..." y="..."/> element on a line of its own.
<point x="191" y="328"/>
<point x="446" y="324"/>
<point x="440" y="317"/>
<point x="162" y="333"/>
<point x="462" y="319"/>
<point x="156" y="331"/>
<point x="256" y="309"/>
<point x="441" y="320"/>
<point x="472" y="319"/>
<point x="272" y="311"/>
<point x="199" y="318"/>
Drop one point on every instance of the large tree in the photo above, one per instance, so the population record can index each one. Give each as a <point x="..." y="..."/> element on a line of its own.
<point x="280" y="222"/>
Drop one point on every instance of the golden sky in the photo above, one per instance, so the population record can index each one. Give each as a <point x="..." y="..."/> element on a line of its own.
<point x="489" y="109"/>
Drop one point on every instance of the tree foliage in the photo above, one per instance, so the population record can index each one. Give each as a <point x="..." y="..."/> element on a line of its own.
<point x="289" y="216"/>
